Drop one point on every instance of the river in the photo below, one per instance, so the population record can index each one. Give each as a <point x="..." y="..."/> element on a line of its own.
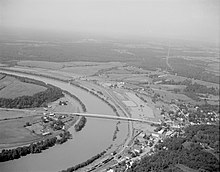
<point x="95" y="137"/>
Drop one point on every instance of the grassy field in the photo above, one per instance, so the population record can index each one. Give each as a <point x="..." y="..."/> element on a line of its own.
<point x="12" y="88"/>
<point x="214" y="68"/>
<point x="4" y="114"/>
<point x="13" y="131"/>
<point x="71" y="68"/>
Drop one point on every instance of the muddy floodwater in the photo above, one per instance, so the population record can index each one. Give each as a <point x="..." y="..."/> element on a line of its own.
<point x="95" y="137"/>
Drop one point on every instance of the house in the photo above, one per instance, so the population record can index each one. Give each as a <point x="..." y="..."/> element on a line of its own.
<point x="161" y="131"/>
<point x="46" y="133"/>
<point x="155" y="135"/>
<point x="157" y="82"/>
<point x="169" y="133"/>
<point x="136" y="151"/>
<point x="51" y="114"/>
<point x="62" y="103"/>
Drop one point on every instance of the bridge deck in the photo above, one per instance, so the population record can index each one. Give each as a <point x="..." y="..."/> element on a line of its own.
<point x="90" y="115"/>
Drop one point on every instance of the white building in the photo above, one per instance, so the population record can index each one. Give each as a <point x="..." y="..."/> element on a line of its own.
<point x="155" y="135"/>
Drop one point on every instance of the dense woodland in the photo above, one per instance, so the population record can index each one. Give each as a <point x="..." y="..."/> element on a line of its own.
<point x="197" y="149"/>
<point x="185" y="68"/>
<point x="193" y="90"/>
<point x="198" y="88"/>
<point x="193" y="87"/>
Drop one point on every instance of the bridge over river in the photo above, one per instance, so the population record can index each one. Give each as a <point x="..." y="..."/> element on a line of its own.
<point x="111" y="117"/>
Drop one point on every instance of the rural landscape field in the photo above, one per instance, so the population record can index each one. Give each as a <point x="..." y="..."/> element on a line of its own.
<point x="106" y="86"/>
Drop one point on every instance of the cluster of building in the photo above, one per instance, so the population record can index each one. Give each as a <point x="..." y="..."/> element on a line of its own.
<point x="52" y="121"/>
<point x="173" y="124"/>
<point x="182" y="115"/>
<point x="113" y="84"/>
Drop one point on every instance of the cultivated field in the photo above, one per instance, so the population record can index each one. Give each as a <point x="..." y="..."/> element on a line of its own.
<point x="5" y="114"/>
<point x="11" y="87"/>
<point x="76" y="68"/>
<point x="12" y="123"/>
<point x="13" y="131"/>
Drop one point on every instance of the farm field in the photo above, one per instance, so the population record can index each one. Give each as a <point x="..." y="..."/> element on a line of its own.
<point x="11" y="87"/>
<point x="70" y="69"/>
<point x="12" y="123"/>
<point x="13" y="131"/>
<point x="214" y="68"/>
<point x="5" y="114"/>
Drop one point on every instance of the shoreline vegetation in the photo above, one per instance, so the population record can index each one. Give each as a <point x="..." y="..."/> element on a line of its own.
<point x="82" y="122"/>
<point x="66" y="81"/>
<point x="109" y="104"/>
<point x="40" y="99"/>
<point x="84" y="164"/>
<point x="16" y="153"/>
<point x="77" y="99"/>
<point x="37" y="100"/>
<point x="116" y="131"/>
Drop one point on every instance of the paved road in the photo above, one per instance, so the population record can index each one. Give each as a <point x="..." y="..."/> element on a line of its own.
<point x="167" y="59"/>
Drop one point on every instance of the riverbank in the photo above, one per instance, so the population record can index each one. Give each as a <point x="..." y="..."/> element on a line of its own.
<point x="35" y="117"/>
<point x="96" y="132"/>
<point x="33" y="148"/>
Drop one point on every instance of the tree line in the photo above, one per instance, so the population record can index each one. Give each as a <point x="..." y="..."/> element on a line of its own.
<point x="80" y="124"/>
<point x="198" y="88"/>
<point x="81" y="165"/>
<point x="77" y="99"/>
<point x="37" y="100"/>
<point x="52" y="93"/>
<point x="93" y="93"/>
<point x="184" y="68"/>
<point x="193" y="87"/>
<point x="16" y="153"/>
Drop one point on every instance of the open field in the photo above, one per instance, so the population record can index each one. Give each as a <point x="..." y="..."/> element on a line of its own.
<point x="168" y="96"/>
<point x="12" y="88"/>
<point x="181" y="78"/>
<point x="214" y="68"/>
<point x="71" y="69"/>
<point x="71" y="105"/>
<point x="90" y="68"/>
<point x="4" y="114"/>
<point x="142" y="109"/>
<point x="12" y="123"/>
<point x="13" y="131"/>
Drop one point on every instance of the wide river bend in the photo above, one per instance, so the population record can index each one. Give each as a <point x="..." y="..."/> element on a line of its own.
<point x="95" y="137"/>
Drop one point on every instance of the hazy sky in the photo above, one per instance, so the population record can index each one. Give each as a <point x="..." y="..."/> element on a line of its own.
<point x="189" y="19"/>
